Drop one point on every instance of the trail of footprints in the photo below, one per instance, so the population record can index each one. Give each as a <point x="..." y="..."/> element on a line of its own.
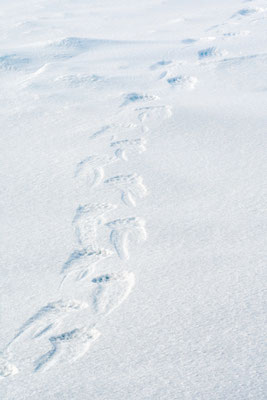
<point x="64" y="329"/>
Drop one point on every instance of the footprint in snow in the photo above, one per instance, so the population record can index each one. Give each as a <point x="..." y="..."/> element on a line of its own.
<point x="245" y="12"/>
<point x="136" y="97"/>
<point x="66" y="347"/>
<point x="124" y="229"/>
<point x="183" y="82"/>
<point x="86" y="221"/>
<point x="91" y="169"/>
<point x="235" y="34"/>
<point x="63" y="331"/>
<point x="81" y="263"/>
<point x="211" y="52"/>
<point x="130" y="186"/>
<point x="122" y="147"/>
<point x="154" y="114"/>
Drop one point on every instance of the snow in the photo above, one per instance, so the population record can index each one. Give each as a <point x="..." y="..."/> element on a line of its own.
<point x="133" y="168"/>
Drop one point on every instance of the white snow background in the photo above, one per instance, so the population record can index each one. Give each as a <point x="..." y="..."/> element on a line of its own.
<point x="133" y="199"/>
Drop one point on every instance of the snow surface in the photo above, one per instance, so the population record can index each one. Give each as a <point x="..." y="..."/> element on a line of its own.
<point x="133" y="198"/>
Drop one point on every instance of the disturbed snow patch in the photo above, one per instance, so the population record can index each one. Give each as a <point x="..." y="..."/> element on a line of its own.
<point x="211" y="52"/>
<point x="248" y="11"/>
<point x="135" y="97"/>
<point x="183" y="81"/>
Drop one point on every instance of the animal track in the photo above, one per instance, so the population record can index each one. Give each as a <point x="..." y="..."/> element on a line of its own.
<point x="48" y="317"/>
<point x="121" y="229"/>
<point x="36" y="329"/>
<point x="244" y="12"/>
<point x="154" y="113"/>
<point x="134" y="97"/>
<point x="187" y="82"/>
<point x="92" y="168"/>
<point x="235" y="34"/>
<point x="111" y="290"/>
<point x="131" y="186"/>
<point x="63" y="330"/>
<point x="123" y="146"/>
<point x="81" y="262"/>
<point x="181" y="81"/>
<point x="69" y="338"/>
<point x="95" y="210"/>
<point x="67" y="347"/>
<point x="86" y="220"/>
<point x="211" y="52"/>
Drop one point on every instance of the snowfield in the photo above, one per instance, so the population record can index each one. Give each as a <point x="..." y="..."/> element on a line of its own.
<point x="133" y="199"/>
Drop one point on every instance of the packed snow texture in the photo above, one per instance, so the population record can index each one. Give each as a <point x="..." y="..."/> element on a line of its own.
<point x="133" y="198"/>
